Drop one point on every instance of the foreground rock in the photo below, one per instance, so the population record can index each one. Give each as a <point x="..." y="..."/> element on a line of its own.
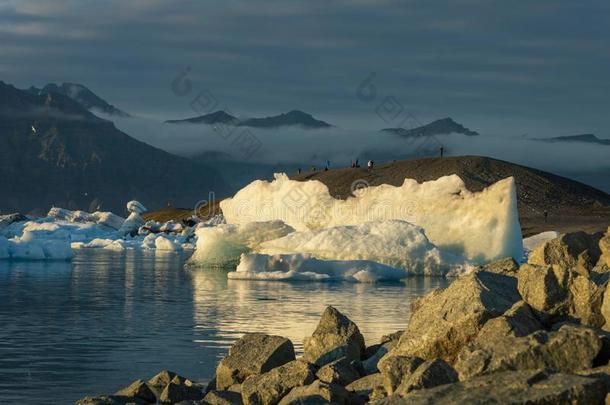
<point x="514" y="387"/>
<point x="570" y="349"/>
<point x="222" y="398"/>
<point x="180" y="389"/>
<point x="429" y="374"/>
<point x="340" y="371"/>
<point x="138" y="390"/>
<point x="319" y="393"/>
<point x="395" y="369"/>
<point x="566" y="250"/>
<point x="445" y="320"/>
<point x="335" y="337"/>
<point x="559" y="293"/>
<point x="270" y="387"/>
<point x="365" y="386"/>
<point x="253" y="354"/>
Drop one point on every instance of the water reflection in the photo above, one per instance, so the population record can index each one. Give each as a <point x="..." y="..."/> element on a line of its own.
<point x="95" y="324"/>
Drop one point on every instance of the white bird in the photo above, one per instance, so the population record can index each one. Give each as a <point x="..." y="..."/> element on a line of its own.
<point x="33" y="129"/>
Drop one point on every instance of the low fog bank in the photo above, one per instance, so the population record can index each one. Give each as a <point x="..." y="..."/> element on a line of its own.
<point x="293" y="147"/>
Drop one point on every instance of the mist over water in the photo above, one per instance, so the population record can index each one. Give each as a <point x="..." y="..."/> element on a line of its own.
<point x="313" y="147"/>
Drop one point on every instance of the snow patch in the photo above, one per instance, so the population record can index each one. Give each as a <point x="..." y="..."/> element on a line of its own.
<point x="534" y="241"/>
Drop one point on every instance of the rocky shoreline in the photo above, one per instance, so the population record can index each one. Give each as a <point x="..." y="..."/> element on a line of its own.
<point x="530" y="334"/>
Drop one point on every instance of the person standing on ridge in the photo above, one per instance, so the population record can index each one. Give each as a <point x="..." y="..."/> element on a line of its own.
<point x="442" y="151"/>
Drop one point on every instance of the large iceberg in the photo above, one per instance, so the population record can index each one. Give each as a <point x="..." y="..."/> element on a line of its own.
<point x="481" y="226"/>
<point x="395" y="243"/>
<point x="223" y="244"/>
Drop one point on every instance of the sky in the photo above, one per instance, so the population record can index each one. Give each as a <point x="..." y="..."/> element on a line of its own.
<point x="533" y="68"/>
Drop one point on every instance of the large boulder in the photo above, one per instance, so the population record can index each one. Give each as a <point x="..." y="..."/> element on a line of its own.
<point x="222" y="398"/>
<point x="514" y="387"/>
<point x="319" y="393"/>
<point x="565" y="250"/>
<point x="159" y="381"/>
<point x="429" y="374"/>
<point x="253" y="354"/>
<point x="445" y="320"/>
<point x="270" y="387"/>
<point x="335" y="336"/>
<point x="560" y="293"/>
<point x="568" y="350"/>
<point x="340" y="371"/>
<point x="395" y="369"/>
<point x="138" y="390"/>
<point x="518" y="321"/>
<point x="364" y="387"/>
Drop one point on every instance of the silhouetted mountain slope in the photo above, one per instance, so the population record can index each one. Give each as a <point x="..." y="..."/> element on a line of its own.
<point x="291" y="118"/>
<point x="439" y="127"/>
<point x="56" y="152"/>
<point x="82" y="95"/>
<point x="585" y="138"/>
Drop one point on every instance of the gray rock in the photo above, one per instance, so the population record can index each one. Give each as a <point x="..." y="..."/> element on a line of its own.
<point x="395" y="369"/>
<point x="235" y="388"/>
<point x="513" y="387"/>
<point x="335" y="337"/>
<point x="319" y="393"/>
<point x="270" y="387"/>
<point x="507" y="266"/>
<point x="370" y="364"/>
<point x="364" y="386"/>
<point x="340" y="372"/>
<point x="565" y="250"/>
<point x="6" y="220"/>
<point x="601" y="373"/>
<point x="445" y="320"/>
<point x="570" y="349"/>
<point x="253" y="354"/>
<point x="215" y="397"/>
<point x="604" y="247"/>
<point x="430" y="374"/>
<point x="180" y="389"/>
<point x="558" y="293"/>
<point x="518" y="321"/>
<point x="140" y="390"/>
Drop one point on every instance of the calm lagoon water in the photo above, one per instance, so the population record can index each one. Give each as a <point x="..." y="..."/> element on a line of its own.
<point x="94" y="325"/>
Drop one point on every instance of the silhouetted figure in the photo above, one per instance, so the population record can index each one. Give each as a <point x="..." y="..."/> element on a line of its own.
<point x="299" y="170"/>
<point x="357" y="164"/>
<point x="546" y="215"/>
<point x="325" y="168"/>
<point x="313" y="168"/>
<point x="442" y="151"/>
<point x="328" y="164"/>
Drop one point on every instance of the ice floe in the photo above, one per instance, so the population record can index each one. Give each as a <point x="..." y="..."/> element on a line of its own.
<point x="481" y="226"/>
<point x="532" y="242"/>
<point x="223" y="244"/>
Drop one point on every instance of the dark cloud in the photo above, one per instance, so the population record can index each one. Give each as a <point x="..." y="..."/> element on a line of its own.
<point x="499" y="67"/>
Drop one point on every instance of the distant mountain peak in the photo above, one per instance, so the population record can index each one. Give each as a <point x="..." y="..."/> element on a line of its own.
<point x="291" y="118"/>
<point x="82" y="95"/>
<point x="584" y="138"/>
<point x="441" y="126"/>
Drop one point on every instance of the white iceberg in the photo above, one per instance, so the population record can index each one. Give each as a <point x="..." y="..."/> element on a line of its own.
<point x="398" y="244"/>
<point x="255" y="266"/>
<point x="108" y="219"/>
<point x="164" y="243"/>
<point x="480" y="226"/>
<point x="132" y="224"/>
<point x="136" y="207"/>
<point x="222" y="245"/>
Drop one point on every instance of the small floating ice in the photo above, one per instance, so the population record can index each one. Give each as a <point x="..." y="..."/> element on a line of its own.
<point x="223" y="244"/>
<point x="254" y="266"/>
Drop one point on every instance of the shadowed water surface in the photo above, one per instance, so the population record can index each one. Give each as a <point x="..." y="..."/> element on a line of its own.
<point x="94" y="325"/>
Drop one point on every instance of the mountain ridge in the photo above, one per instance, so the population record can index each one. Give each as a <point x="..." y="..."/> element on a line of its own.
<point x="291" y="118"/>
<point x="56" y="152"/>
<point x="83" y="95"/>
<point x="441" y="126"/>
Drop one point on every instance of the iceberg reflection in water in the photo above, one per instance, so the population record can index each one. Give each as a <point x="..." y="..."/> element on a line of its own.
<point x="107" y="318"/>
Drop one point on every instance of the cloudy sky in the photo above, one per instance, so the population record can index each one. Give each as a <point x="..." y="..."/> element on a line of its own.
<point x="520" y="67"/>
